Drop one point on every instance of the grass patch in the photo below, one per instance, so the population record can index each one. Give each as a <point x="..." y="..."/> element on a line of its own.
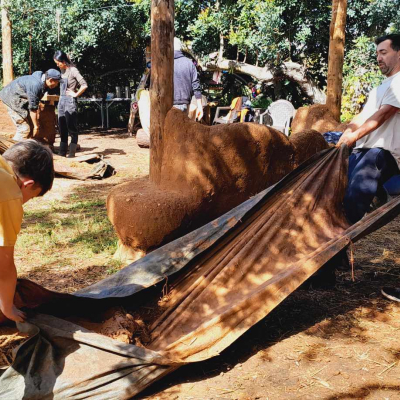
<point x="113" y="266"/>
<point x="68" y="233"/>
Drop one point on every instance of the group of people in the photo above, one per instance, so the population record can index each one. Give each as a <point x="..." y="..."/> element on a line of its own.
<point x="26" y="169"/>
<point x="22" y="97"/>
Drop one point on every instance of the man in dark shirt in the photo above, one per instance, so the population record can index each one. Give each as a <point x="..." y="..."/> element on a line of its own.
<point x="186" y="82"/>
<point x="22" y="96"/>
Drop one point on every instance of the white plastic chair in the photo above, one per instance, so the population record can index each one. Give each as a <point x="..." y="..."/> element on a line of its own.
<point x="228" y="118"/>
<point x="281" y="113"/>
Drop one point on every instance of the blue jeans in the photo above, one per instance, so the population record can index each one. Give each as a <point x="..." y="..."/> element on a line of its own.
<point x="369" y="169"/>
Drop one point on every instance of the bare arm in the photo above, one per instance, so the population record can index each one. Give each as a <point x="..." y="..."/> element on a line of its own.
<point x="199" y="110"/>
<point x="8" y="282"/>
<point x="355" y="123"/>
<point x="78" y="93"/>
<point x="33" y="114"/>
<point x="81" y="82"/>
<point x="356" y="131"/>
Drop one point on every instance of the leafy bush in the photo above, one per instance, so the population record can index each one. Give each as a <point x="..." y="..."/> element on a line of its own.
<point x="261" y="102"/>
<point x="360" y="75"/>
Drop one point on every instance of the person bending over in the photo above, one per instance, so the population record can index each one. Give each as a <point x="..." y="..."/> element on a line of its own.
<point x="21" y="97"/>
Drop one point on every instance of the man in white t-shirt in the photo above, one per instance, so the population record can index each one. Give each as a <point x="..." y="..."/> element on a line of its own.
<point x="376" y="135"/>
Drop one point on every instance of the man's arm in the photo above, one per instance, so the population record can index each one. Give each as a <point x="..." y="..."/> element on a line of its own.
<point x="34" y="117"/>
<point x="199" y="110"/>
<point x="8" y="282"/>
<point x="355" y="123"/>
<point x="35" y="93"/>
<point x="197" y="93"/>
<point x="356" y="130"/>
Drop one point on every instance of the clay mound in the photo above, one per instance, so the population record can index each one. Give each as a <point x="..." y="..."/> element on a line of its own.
<point x="206" y="171"/>
<point x="222" y="161"/>
<point x="306" y="144"/>
<point x="316" y="117"/>
<point x="7" y="127"/>
<point x="47" y="124"/>
<point x="144" y="215"/>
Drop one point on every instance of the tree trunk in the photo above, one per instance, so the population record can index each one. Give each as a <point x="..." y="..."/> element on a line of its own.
<point x="336" y="56"/>
<point x="162" y="74"/>
<point x="8" y="74"/>
<point x="290" y="70"/>
<point x="221" y="47"/>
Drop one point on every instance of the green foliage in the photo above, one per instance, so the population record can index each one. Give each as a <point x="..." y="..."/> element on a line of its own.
<point x="261" y="102"/>
<point x="106" y="38"/>
<point x="361" y="74"/>
<point x="101" y="36"/>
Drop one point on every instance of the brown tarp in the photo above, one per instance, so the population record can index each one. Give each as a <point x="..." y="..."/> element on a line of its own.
<point x="227" y="276"/>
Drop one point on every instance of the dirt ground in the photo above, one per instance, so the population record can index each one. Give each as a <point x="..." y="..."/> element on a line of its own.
<point x="342" y="343"/>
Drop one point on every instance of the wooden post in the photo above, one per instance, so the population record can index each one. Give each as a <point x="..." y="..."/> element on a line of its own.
<point x="8" y="73"/>
<point x="162" y="76"/>
<point x="336" y="57"/>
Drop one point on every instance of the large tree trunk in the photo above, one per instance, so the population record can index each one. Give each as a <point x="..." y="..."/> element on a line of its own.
<point x="8" y="73"/>
<point x="290" y="70"/>
<point x="336" y="56"/>
<point x="162" y="75"/>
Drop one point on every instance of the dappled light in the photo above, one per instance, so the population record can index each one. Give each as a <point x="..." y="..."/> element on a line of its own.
<point x="244" y="278"/>
<point x="206" y="171"/>
<point x="224" y="278"/>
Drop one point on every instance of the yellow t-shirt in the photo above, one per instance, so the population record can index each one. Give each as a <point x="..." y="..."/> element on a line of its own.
<point x="11" y="211"/>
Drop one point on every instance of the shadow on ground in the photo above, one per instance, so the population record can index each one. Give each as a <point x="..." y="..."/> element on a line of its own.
<point x="321" y="313"/>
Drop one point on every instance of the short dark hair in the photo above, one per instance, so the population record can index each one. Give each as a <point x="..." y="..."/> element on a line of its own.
<point x="30" y="159"/>
<point x="394" y="40"/>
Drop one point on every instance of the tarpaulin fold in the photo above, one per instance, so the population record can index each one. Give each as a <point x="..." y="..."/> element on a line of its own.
<point x="227" y="276"/>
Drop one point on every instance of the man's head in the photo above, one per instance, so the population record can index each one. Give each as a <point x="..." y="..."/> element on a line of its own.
<point x="388" y="54"/>
<point x="177" y="44"/>
<point x="52" y="78"/>
<point x="32" y="163"/>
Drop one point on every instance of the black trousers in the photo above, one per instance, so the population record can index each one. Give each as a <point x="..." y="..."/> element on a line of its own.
<point x="68" y="119"/>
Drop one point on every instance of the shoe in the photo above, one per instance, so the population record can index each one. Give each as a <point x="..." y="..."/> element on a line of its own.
<point x="391" y="293"/>
<point x="72" y="150"/>
<point x="382" y="197"/>
<point x="63" y="149"/>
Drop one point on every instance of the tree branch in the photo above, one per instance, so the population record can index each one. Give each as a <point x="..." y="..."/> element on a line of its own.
<point x="293" y="71"/>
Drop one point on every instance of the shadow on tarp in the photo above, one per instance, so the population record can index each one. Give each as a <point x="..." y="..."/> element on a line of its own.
<point x="63" y="360"/>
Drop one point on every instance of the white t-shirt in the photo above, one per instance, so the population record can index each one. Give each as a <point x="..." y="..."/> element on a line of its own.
<point x="387" y="136"/>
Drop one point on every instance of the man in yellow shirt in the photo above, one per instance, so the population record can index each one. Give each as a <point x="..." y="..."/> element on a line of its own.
<point x="26" y="171"/>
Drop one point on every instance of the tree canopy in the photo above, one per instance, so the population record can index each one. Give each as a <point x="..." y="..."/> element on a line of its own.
<point x="106" y="38"/>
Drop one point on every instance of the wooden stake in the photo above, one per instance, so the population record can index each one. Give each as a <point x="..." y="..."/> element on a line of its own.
<point x="336" y="57"/>
<point x="162" y="74"/>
